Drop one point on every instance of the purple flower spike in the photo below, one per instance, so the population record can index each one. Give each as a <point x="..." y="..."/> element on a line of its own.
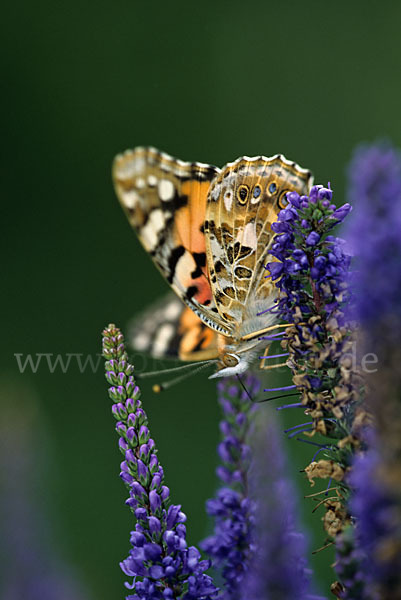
<point x="376" y="507"/>
<point x="31" y="565"/>
<point x="314" y="299"/>
<point x="373" y="232"/>
<point x="229" y="546"/>
<point x="160" y="562"/>
<point x="254" y="542"/>
<point x="278" y="566"/>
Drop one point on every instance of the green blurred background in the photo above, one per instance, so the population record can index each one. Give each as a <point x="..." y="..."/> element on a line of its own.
<point x="203" y="81"/>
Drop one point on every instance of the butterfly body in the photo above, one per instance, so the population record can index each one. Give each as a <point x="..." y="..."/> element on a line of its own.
<point x="208" y="230"/>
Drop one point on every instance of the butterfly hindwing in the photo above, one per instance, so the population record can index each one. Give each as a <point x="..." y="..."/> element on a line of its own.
<point x="165" y="201"/>
<point x="169" y="329"/>
<point x="243" y="201"/>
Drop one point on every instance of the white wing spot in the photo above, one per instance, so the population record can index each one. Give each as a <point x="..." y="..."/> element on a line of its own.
<point x="130" y="199"/>
<point x="150" y="232"/>
<point x="228" y="200"/>
<point x="247" y="235"/>
<point x="216" y="192"/>
<point x="173" y="310"/>
<point x="162" y="339"/>
<point x="152" y="180"/>
<point x="166" y="190"/>
<point x="140" y="183"/>
<point x="141" y="341"/>
<point x="131" y="167"/>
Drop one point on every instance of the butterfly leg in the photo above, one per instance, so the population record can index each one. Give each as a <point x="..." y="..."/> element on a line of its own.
<point x="266" y="357"/>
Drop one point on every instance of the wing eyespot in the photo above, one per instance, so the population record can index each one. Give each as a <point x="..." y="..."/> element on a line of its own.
<point x="242" y="194"/>
<point x="272" y="188"/>
<point x="282" y="201"/>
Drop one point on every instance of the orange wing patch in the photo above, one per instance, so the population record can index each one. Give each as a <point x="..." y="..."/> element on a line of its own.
<point x="189" y="220"/>
<point x="198" y="342"/>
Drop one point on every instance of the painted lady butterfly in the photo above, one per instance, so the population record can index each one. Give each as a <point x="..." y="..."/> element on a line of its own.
<point x="208" y="231"/>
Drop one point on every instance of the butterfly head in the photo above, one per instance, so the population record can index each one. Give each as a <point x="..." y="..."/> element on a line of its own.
<point x="231" y="364"/>
<point x="235" y="362"/>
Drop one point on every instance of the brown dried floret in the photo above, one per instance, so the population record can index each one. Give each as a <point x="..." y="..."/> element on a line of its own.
<point x="324" y="469"/>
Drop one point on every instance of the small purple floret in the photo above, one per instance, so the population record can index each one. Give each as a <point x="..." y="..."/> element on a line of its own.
<point x="312" y="239"/>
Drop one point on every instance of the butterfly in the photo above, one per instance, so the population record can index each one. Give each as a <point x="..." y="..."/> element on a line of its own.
<point x="208" y="230"/>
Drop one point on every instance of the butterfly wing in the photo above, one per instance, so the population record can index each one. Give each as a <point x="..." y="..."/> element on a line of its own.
<point x="169" y="329"/>
<point x="165" y="201"/>
<point x="243" y="201"/>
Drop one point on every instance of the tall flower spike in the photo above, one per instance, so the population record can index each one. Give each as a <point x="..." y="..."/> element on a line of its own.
<point x="312" y="274"/>
<point x="375" y="188"/>
<point x="254" y="543"/>
<point x="31" y="565"/>
<point x="230" y="546"/>
<point x="161" y="563"/>
<point x="278" y="566"/>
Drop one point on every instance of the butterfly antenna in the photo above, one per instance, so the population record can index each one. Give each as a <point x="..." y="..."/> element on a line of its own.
<point x="160" y="387"/>
<point x="173" y="369"/>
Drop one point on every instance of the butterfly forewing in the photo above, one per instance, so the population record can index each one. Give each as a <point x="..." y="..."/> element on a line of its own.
<point x="165" y="201"/>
